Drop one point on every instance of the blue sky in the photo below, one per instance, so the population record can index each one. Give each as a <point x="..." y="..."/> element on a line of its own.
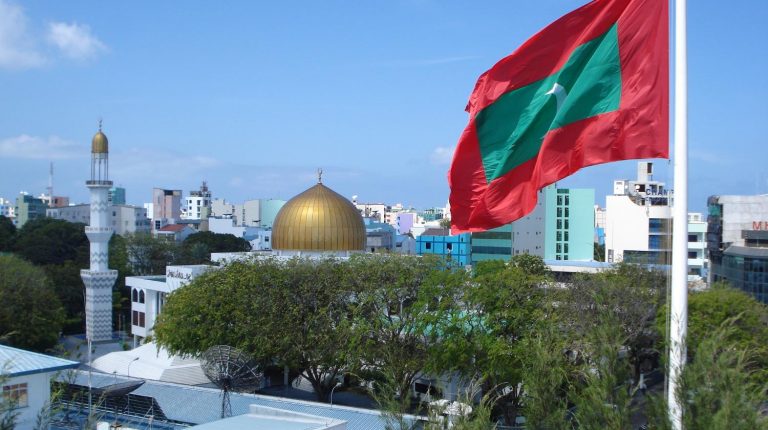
<point x="255" y="96"/>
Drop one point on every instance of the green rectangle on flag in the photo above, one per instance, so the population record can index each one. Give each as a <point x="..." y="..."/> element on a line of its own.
<point x="511" y="130"/>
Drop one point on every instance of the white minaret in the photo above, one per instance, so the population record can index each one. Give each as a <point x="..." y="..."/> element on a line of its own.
<point x="98" y="279"/>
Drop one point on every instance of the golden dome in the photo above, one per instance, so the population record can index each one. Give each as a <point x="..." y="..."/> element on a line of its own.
<point x="319" y="219"/>
<point x="99" y="144"/>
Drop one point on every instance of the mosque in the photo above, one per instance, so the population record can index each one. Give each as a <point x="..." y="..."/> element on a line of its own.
<point x="318" y="221"/>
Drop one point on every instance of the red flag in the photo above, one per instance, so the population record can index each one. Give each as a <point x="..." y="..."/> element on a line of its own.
<point x="590" y="88"/>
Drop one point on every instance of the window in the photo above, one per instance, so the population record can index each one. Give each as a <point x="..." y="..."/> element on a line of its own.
<point x="16" y="395"/>
<point x="428" y="245"/>
<point x="566" y="212"/>
<point x="141" y="296"/>
<point x="449" y="246"/>
<point x="559" y="200"/>
<point x="138" y="318"/>
<point x="134" y="296"/>
<point x="692" y="238"/>
<point x="567" y="200"/>
<point x="691" y="254"/>
<point x="559" y="224"/>
<point x="559" y="212"/>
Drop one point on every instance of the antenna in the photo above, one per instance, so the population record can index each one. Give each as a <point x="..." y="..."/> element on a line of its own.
<point x="50" y="184"/>
<point x="231" y="370"/>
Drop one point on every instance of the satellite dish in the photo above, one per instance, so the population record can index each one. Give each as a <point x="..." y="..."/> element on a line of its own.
<point x="231" y="370"/>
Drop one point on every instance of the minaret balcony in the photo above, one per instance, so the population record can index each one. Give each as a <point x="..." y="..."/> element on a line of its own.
<point x="98" y="234"/>
<point x="98" y="183"/>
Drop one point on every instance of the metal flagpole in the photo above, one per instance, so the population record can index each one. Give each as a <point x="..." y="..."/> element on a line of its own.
<point x="678" y="315"/>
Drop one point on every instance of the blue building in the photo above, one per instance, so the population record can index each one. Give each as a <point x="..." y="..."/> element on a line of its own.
<point x="438" y="241"/>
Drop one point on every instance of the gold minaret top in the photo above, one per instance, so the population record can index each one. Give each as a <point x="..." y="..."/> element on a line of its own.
<point x="99" y="144"/>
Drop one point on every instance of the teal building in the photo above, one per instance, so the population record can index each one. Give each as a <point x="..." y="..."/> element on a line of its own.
<point x="268" y="209"/>
<point x="116" y="196"/>
<point x="28" y="208"/>
<point x="569" y="231"/>
<point x="493" y="244"/>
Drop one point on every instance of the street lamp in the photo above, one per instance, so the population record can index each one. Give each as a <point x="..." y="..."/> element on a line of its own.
<point x="128" y="395"/>
<point x="129" y="366"/>
<point x="338" y="384"/>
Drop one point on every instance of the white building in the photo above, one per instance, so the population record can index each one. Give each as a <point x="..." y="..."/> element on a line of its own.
<point x="28" y="383"/>
<point x="375" y="211"/>
<point x="124" y="219"/>
<point x="259" y="238"/>
<point x="220" y="208"/>
<point x="638" y="220"/>
<point x="148" y="294"/>
<point x="7" y="208"/>
<point x="698" y="264"/>
<point x="198" y="203"/>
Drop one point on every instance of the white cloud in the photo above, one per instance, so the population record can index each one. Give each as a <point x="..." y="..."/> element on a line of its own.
<point x="74" y="40"/>
<point x="160" y="166"/>
<point x="17" y="50"/>
<point x="39" y="148"/>
<point x="441" y="155"/>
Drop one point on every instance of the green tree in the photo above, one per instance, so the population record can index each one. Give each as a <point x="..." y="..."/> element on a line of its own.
<point x="630" y="295"/>
<point x="546" y="374"/>
<point x="197" y="248"/>
<point x="486" y="326"/>
<point x="118" y="260"/>
<point x="719" y="389"/>
<point x="7" y="234"/>
<point x="61" y="249"/>
<point x="393" y="298"/>
<point x="45" y="241"/>
<point x="708" y="309"/>
<point x="530" y="264"/>
<point x="314" y="322"/>
<point x="604" y="389"/>
<point x="286" y="313"/>
<point x="66" y="282"/>
<point x="147" y="255"/>
<point x="31" y="315"/>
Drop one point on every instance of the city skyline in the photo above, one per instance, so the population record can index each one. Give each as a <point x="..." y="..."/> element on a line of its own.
<point x="254" y="98"/>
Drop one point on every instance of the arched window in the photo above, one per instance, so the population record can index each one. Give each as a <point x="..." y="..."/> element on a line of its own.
<point x="141" y="296"/>
<point x="135" y="295"/>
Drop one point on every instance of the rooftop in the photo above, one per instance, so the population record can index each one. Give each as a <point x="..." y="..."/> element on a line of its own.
<point x="18" y="362"/>
<point x="200" y="405"/>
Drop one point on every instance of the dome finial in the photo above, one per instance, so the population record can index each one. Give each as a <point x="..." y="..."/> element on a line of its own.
<point x="99" y="124"/>
<point x="320" y="175"/>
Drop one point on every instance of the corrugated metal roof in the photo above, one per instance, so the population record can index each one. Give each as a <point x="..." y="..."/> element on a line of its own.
<point x="198" y="405"/>
<point x="18" y="362"/>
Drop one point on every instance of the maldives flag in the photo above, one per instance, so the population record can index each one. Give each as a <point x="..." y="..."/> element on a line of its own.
<point x="590" y="88"/>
